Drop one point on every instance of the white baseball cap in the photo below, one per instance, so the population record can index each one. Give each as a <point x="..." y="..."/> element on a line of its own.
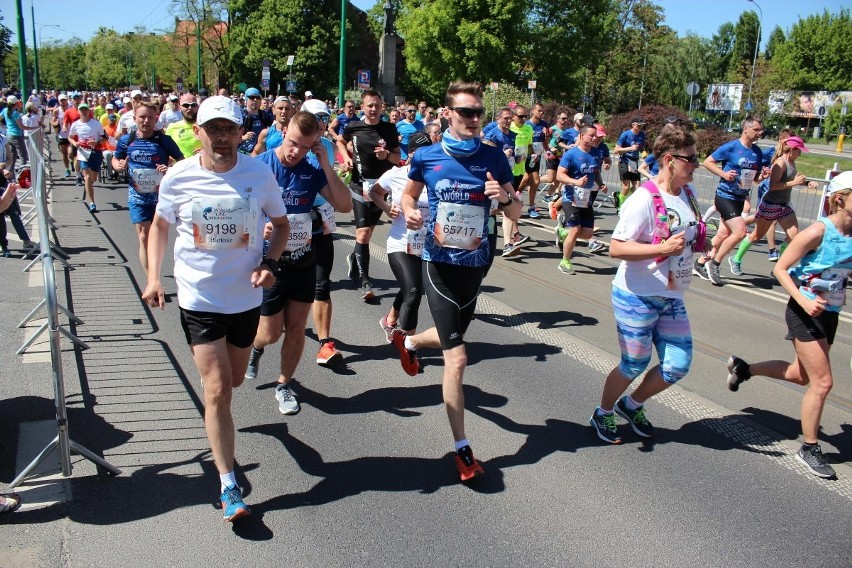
<point x="63" y="97"/>
<point x="135" y="93"/>
<point x="308" y="94"/>
<point x="315" y="106"/>
<point x="219" y="107"/>
<point x="126" y="100"/>
<point x="841" y="181"/>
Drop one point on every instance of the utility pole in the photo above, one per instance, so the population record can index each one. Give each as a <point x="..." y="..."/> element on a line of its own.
<point x="341" y="75"/>
<point x="35" y="53"/>
<point x="198" y="45"/>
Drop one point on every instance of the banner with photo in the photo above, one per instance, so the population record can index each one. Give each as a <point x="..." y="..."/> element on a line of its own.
<point x="807" y="104"/>
<point x="724" y="97"/>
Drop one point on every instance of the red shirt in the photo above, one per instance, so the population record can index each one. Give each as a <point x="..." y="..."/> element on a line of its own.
<point x="71" y="115"/>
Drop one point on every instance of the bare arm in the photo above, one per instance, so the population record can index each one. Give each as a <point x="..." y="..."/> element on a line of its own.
<point x="806" y="240"/>
<point x="157" y="240"/>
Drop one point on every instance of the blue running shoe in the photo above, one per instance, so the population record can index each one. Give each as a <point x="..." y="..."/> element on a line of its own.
<point x="233" y="507"/>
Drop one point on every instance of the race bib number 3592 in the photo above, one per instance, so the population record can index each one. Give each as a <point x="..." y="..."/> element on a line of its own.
<point x="224" y="224"/>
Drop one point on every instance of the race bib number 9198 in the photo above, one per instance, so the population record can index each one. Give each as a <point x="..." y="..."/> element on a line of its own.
<point x="224" y="224"/>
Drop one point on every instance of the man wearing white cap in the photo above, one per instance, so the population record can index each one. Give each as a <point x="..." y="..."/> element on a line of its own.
<point x="171" y="113"/>
<point x="218" y="200"/>
<point x="308" y="95"/>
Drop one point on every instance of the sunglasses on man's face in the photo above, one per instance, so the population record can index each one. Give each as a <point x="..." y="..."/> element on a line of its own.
<point x="254" y="98"/>
<point x="189" y="105"/>
<point x="522" y="116"/>
<point x="469" y="112"/>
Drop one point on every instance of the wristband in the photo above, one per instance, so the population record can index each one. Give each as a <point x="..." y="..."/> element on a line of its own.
<point x="509" y="202"/>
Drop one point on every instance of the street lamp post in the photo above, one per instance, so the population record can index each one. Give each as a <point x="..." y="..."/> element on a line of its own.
<point x="37" y="71"/>
<point x="756" y="47"/>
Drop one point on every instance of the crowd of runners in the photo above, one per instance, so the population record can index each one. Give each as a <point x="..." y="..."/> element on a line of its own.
<point x="252" y="185"/>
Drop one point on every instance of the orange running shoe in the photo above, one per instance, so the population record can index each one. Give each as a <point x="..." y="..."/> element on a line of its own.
<point x="328" y="354"/>
<point x="467" y="465"/>
<point x="407" y="357"/>
<point x="551" y="206"/>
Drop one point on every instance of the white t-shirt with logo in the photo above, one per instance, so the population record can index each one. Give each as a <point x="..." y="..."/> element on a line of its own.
<point x="219" y="218"/>
<point x="91" y="132"/>
<point x="636" y="224"/>
<point x="399" y="240"/>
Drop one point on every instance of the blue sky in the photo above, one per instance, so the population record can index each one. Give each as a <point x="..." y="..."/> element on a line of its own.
<point x="60" y="19"/>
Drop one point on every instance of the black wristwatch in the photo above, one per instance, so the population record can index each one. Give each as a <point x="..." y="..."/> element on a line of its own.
<point x="511" y="199"/>
<point x="272" y="265"/>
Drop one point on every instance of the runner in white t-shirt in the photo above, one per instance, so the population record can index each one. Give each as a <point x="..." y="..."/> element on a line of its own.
<point x="218" y="200"/>
<point x="87" y="136"/>
<point x="404" y="246"/>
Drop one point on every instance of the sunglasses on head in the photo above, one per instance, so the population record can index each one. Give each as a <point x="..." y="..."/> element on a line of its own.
<point x="689" y="159"/>
<point x="189" y="105"/>
<point x="469" y="112"/>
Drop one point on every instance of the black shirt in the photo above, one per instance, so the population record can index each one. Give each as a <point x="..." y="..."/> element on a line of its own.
<point x="365" y="139"/>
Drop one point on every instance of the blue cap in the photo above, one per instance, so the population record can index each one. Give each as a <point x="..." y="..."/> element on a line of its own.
<point x="252" y="92"/>
<point x="75" y="94"/>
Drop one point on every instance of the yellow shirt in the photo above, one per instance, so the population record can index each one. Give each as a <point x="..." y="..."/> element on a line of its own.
<point x="181" y="132"/>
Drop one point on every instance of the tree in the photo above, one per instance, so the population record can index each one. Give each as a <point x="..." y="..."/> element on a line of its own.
<point x="723" y="46"/>
<point x="464" y="39"/>
<point x="776" y="38"/>
<point x="746" y="37"/>
<point x="5" y="49"/>
<point x="817" y="53"/>
<point x="213" y="17"/>
<point x="683" y="60"/>
<point x="107" y="59"/>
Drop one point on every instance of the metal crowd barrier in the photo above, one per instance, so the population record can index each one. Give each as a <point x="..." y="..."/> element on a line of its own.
<point x="62" y="440"/>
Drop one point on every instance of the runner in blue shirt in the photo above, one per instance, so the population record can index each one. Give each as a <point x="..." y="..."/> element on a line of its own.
<point x="287" y="303"/>
<point x="629" y="145"/>
<point x="338" y="125"/>
<point x="406" y="127"/>
<point x="464" y="180"/>
<point x="532" y="179"/>
<point x="577" y="170"/>
<point x="738" y="164"/>
<point x="145" y="153"/>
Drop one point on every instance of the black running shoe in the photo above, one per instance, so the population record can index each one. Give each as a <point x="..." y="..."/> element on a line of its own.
<point x="738" y="373"/>
<point x="700" y="270"/>
<point x="636" y="418"/>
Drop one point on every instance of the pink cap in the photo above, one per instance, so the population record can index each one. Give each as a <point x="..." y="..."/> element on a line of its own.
<point x="599" y="130"/>
<point x="796" y="142"/>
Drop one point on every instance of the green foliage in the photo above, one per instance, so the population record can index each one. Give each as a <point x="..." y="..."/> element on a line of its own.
<point x="817" y="53"/>
<point x="834" y="120"/>
<point x="107" y="55"/>
<point x="776" y="38"/>
<point x="506" y="93"/>
<point x="745" y="41"/>
<point x="464" y="39"/>
<point x="307" y="29"/>
<point x="684" y="60"/>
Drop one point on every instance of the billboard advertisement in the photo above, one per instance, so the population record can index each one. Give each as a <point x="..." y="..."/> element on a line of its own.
<point x="724" y="97"/>
<point x="807" y="104"/>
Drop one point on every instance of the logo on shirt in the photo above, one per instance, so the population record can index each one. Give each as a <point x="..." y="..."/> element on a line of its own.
<point x="218" y="213"/>
<point x="478" y="169"/>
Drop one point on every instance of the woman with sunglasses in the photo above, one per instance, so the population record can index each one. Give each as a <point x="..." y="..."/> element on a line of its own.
<point x="656" y="251"/>
<point x="821" y="259"/>
<point x="775" y="204"/>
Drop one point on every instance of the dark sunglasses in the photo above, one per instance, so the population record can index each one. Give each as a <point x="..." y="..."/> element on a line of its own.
<point x="411" y="110"/>
<point x="563" y="118"/>
<point x="189" y="105"/>
<point x="322" y="118"/>
<point x="690" y="159"/>
<point x="522" y="115"/>
<point x="255" y="97"/>
<point x="469" y="112"/>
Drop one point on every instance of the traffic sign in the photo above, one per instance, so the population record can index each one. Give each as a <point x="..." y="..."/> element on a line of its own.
<point x="264" y="84"/>
<point x="179" y="84"/>
<point x="692" y="88"/>
<point x="363" y="79"/>
<point x="531" y="85"/>
<point x="290" y="60"/>
<point x="265" y="62"/>
<point x="291" y="87"/>
<point x="587" y="99"/>
<point x="749" y="106"/>
<point x="495" y="86"/>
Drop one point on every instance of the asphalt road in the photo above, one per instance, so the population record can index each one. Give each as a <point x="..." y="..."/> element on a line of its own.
<point x="363" y="476"/>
